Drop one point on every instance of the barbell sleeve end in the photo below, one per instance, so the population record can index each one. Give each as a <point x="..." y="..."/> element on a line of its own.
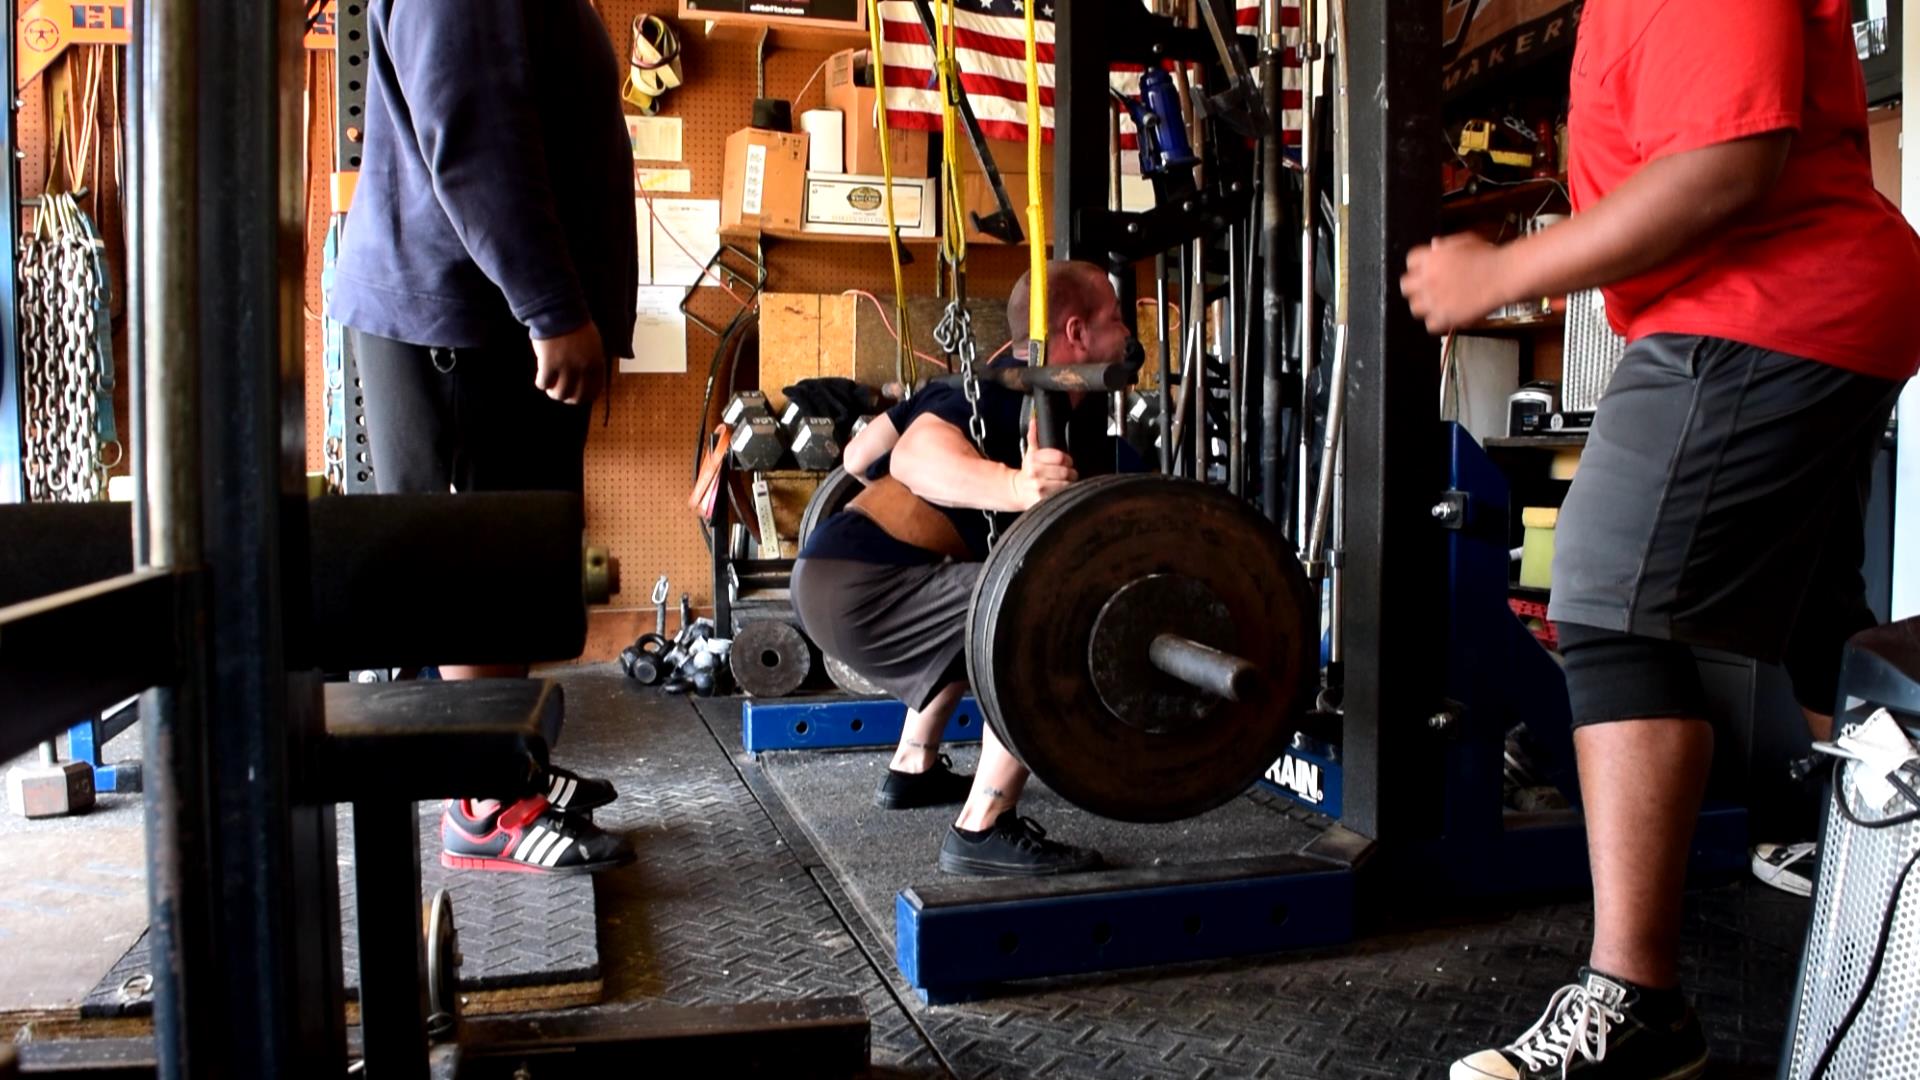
<point x="1204" y="667"/>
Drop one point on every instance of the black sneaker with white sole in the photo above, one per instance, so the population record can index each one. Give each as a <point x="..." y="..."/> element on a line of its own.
<point x="1591" y="1031"/>
<point x="570" y="793"/>
<point x="1790" y="868"/>
<point x="938" y="786"/>
<point x="1015" y="847"/>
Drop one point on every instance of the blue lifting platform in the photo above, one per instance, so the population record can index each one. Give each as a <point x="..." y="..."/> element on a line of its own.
<point x="835" y="723"/>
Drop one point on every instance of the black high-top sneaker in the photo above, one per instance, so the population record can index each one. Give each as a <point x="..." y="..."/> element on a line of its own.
<point x="1593" y="1030"/>
<point x="528" y="836"/>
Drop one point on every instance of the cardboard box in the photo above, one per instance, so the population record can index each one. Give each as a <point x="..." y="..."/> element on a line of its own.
<point x="765" y="180"/>
<point x="1009" y="156"/>
<point x="856" y="206"/>
<point x="846" y="69"/>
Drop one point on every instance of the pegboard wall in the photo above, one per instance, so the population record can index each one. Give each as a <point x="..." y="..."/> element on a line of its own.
<point x="640" y="453"/>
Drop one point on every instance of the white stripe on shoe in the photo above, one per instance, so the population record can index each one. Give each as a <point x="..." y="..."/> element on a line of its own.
<point x="528" y="841"/>
<point x="554" y="855"/>
<point x="566" y="793"/>
<point x="553" y="789"/>
<point x="540" y="849"/>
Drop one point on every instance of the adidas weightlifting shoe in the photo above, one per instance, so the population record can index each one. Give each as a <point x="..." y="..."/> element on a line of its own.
<point x="571" y="793"/>
<point x="528" y="836"/>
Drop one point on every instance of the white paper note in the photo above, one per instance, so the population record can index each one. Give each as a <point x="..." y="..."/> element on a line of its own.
<point x="643" y="226"/>
<point x="657" y="180"/>
<point x="659" y="333"/>
<point x="654" y="138"/>
<point x="686" y="234"/>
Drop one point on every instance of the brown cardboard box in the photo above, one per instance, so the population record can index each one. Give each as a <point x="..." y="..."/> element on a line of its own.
<point x="1009" y="156"/>
<point x="765" y="181"/>
<point x="862" y="156"/>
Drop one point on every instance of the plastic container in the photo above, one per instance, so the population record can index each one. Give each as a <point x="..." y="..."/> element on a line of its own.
<point x="1536" y="551"/>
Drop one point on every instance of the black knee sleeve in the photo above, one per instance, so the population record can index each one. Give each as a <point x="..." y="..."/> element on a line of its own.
<point x="1618" y="676"/>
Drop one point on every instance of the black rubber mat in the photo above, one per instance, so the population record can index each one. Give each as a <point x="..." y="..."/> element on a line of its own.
<point x="516" y="930"/>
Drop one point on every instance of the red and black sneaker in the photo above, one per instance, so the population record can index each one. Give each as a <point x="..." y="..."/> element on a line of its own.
<point x="570" y="793"/>
<point x="528" y="836"/>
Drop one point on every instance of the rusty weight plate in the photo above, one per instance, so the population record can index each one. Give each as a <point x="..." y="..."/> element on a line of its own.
<point x="1031" y="630"/>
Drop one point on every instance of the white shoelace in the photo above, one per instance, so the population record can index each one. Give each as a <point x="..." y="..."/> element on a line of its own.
<point x="1575" y="1022"/>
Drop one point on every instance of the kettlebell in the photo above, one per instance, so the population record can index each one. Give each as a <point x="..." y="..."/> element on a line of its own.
<point x="643" y="660"/>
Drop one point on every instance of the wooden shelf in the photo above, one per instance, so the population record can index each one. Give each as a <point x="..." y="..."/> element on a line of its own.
<point x="781" y="34"/>
<point x="1520" y="195"/>
<point x="1569" y="441"/>
<point x="1516" y="327"/>
<point x="751" y="236"/>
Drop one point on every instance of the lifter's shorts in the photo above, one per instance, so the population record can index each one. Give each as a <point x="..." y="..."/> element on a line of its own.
<point x="904" y="628"/>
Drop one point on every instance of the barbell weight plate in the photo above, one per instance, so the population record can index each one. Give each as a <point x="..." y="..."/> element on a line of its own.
<point x="1137" y="692"/>
<point x="1030" y="637"/>
<point x="836" y="490"/>
<point x="850" y="680"/>
<point x="770" y="658"/>
<point x="443" y="964"/>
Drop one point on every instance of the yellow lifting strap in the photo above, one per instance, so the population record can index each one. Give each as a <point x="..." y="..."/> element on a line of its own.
<point x="905" y="367"/>
<point x="953" y="240"/>
<point x="1038" y="318"/>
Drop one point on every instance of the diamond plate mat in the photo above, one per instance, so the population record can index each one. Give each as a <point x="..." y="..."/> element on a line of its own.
<point x="517" y="932"/>
<point x="1397" y="1003"/>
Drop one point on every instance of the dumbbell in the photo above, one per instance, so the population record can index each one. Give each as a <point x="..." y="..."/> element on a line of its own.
<point x="791" y="418"/>
<point x="744" y="406"/>
<point x="859" y="425"/>
<point x="757" y="445"/>
<point x="814" y="447"/>
<point x="50" y="788"/>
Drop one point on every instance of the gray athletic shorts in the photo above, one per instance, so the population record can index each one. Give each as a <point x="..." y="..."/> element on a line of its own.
<point x="1720" y="503"/>
<point x="902" y="627"/>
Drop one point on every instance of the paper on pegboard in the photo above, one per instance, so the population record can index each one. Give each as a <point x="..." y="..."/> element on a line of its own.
<point x="659" y="333"/>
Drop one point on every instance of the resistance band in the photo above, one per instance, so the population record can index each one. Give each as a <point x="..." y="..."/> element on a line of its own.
<point x="906" y="369"/>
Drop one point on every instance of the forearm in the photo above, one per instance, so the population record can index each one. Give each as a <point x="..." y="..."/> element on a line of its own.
<point x="1662" y="210"/>
<point x="937" y="463"/>
<point x="869" y="446"/>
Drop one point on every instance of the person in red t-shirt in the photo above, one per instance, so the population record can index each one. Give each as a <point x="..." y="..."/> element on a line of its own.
<point x="1725" y="205"/>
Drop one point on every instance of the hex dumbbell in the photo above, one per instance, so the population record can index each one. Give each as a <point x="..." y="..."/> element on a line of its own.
<point x="814" y="446"/>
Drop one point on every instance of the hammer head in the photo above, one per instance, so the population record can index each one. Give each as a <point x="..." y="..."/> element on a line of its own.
<point x="1001" y="225"/>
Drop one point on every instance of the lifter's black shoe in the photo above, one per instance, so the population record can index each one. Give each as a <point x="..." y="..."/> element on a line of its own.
<point x="938" y="786"/>
<point x="1593" y="1031"/>
<point x="570" y="793"/>
<point x="1015" y="847"/>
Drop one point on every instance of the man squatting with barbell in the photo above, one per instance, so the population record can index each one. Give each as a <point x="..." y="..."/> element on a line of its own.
<point x="885" y="586"/>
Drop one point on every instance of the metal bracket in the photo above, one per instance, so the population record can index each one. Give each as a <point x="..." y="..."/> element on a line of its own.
<point x="1451" y="511"/>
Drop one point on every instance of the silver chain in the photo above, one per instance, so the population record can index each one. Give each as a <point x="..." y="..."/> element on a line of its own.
<point x="955" y="337"/>
<point x="66" y="358"/>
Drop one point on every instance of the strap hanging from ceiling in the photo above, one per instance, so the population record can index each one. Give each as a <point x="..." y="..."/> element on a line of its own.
<point x="906" y="367"/>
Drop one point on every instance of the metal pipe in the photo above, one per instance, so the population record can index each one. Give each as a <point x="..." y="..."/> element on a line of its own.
<point x="1234" y="357"/>
<point x="175" y="735"/>
<point x="1323" y="493"/>
<point x="1196" y="375"/>
<point x="1309" y="320"/>
<point x="1164" y="356"/>
<point x="1336" y="558"/>
<point x="1273" y="294"/>
<point x="1206" y="668"/>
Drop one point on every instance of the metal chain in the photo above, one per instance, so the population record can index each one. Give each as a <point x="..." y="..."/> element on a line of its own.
<point x="66" y="357"/>
<point x="955" y="337"/>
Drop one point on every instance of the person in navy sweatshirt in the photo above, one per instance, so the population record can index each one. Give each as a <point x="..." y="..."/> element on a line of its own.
<point x="487" y="275"/>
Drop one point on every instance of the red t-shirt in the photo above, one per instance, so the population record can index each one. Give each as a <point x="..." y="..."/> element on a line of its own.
<point x="1823" y="266"/>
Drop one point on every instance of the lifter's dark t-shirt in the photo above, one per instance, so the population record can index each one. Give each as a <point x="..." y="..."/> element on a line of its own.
<point x="852" y="536"/>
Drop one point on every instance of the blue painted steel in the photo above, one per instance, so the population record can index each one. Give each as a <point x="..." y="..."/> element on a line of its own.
<point x="949" y="950"/>
<point x="839" y="723"/>
<point x="86" y="740"/>
<point x="1309" y="777"/>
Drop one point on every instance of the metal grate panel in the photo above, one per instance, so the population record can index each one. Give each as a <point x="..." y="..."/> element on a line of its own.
<point x="1592" y="350"/>
<point x="1860" y="870"/>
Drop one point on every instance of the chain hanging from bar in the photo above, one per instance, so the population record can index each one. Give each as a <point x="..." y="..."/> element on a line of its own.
<point x="954" y="334"/>
<point x="66" y="354"/>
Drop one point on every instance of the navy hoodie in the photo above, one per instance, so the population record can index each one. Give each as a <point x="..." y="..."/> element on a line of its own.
<point x="496" y="180"/>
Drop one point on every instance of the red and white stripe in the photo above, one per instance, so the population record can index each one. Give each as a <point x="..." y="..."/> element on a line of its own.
<point x="992" y="56"/>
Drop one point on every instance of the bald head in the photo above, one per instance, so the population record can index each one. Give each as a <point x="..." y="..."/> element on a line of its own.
<point x="1074" y="289"/>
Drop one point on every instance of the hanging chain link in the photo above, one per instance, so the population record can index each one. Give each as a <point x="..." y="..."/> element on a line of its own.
<point x="955" y="337"/>
<point x="66" y="357"/>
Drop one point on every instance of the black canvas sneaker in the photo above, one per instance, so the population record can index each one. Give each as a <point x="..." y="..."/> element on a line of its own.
<point x="1590" y="1032"/>
<point x="938" y="786"/>
<point x="1015" y="847"/>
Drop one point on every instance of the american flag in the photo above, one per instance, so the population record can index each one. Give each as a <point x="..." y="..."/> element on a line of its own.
<point x="992" y="52"/>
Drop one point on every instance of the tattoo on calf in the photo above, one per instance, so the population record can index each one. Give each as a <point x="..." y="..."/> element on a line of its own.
<point x="992" y="792"/>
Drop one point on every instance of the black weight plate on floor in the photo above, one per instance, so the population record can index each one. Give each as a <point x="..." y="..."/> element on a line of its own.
<point x="770" y="658"/>
<point x="1034" y="610"/>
